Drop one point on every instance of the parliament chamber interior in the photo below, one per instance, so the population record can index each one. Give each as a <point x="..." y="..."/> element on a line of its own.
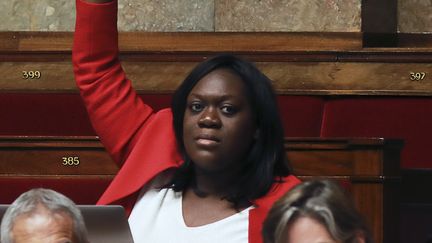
<point x="356" y="107"/>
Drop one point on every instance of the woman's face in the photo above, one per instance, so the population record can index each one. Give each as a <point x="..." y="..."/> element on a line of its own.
<point x="307" y="230"/>
<point x="219" y="124"/>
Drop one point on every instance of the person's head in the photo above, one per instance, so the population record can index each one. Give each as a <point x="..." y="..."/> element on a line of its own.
<point x="315" y="211"/>
<point x="43" y="215"/>
<point x="225" y="118"/>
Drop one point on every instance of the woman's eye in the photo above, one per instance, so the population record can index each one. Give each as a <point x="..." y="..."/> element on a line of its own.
<point x="196" y="107"/>
<point x="227" y="109"/>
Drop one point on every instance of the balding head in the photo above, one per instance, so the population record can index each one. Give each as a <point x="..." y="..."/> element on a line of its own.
<point x="42" y="215"/>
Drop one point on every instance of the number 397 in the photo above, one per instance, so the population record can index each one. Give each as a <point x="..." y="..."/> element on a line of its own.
<point x="417" y="76"/>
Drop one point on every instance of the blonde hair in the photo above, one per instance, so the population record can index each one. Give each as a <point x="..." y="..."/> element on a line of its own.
<point x="322" y="200"/>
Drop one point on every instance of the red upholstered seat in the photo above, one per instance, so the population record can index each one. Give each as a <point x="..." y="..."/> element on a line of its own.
<point x="43" y="114"/>
<point x="53" y="114"/>
<point x="408" y="118"/>
<point x="64" y="114"/>
<point x="301" y="115"/>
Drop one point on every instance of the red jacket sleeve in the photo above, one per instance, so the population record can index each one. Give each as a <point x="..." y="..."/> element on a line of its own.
<point x="116" y="112"/>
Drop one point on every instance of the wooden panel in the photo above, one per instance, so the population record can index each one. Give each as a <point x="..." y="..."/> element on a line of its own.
<point x="414" y="40"/>
<point x="321" y="163"/>
<point x="365" y="161"/>
<point x="64" y="161"/>
<point x="359" y="161"/>
<point x="299" y="63"/>
<point x="370" y="165"/>
<point x="55" y="76"/>
<point x="191" y="41"/>
<point x="30" y="162"/>
<point x="54" y="157"/>
<point x="81" y="189"/>
<point x="368" y="198"/>
<point x="316" y="78"/>
<point x="358" y="158"/>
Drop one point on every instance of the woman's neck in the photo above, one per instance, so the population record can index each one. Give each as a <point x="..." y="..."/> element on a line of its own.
<point x="214" y="183"/>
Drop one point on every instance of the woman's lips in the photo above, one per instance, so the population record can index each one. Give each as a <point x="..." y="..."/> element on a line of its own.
<point x="207" y="140"/>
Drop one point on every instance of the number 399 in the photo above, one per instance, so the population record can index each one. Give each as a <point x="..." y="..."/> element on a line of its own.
<point x="70" y="161"/>
<point x="31" y="74"/>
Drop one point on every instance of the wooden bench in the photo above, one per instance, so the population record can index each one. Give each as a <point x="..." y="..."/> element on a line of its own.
<point x="329" y="85"/>
<point x="80" y="168"/>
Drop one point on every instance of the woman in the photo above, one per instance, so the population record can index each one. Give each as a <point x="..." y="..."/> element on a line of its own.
<point x="209" y="168"/>
<point x="312" y="212"/>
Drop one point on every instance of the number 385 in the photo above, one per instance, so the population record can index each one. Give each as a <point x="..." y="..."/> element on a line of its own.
<point x="70" y="161"/>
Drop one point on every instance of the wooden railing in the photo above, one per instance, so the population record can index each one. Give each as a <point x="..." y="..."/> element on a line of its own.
<point x="370" y="168"/>
<point x="305" y="63"/>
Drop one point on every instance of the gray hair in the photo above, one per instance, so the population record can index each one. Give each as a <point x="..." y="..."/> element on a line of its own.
<point x="53" y="201"/>
<point x="322" y="200"/>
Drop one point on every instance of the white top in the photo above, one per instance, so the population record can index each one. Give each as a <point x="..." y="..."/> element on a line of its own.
<point x="157" y="218"/>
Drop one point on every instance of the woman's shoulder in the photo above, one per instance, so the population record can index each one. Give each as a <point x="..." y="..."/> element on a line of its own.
<point x="162" y="117"/>
<point x="278" y="189"/>
<point x="284" y="185"/>
<point x="166" y="112"/>
<point x="291" y="180"/>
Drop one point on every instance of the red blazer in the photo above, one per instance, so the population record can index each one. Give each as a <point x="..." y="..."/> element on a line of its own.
<point x="140" y="141"/>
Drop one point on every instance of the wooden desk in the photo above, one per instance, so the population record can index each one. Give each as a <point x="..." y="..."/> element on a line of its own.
<point x="78" y="167"/>
<point x="370" y="166"/>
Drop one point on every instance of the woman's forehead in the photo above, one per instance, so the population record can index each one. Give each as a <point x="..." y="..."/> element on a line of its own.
<point x="220" y="82"/>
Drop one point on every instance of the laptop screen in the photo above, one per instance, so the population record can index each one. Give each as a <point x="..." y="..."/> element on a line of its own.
<point x="105" y="224"/>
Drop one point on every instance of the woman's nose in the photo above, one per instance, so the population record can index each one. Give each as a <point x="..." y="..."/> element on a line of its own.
<point x="210" y="118"/>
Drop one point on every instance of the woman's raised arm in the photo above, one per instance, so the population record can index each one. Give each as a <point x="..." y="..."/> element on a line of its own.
<point x="116" y="112"/>
<point x="98" y="1"/>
